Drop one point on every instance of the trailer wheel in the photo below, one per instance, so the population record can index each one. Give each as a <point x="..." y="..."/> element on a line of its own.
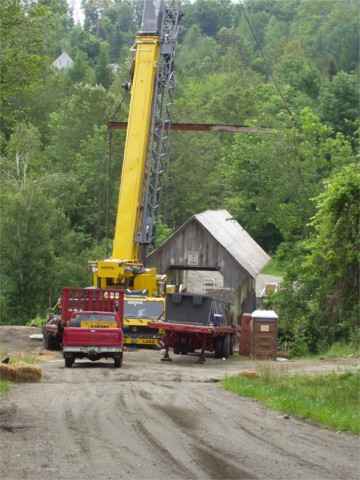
<point x="219" y="347"/>
<point x="118" y="360"/>
<point x="227" y="346"/>
<point x="69" y="360"/>
<point x="232" y="339"/>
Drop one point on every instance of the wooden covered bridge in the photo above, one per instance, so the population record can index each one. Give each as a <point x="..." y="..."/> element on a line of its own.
<point x="214" y="241"/>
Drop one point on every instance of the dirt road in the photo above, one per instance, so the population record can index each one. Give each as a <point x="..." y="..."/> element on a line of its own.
<point x="151" y="420"/>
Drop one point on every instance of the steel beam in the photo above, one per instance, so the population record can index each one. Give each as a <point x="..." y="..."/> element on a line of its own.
<point x="203" y="127"/>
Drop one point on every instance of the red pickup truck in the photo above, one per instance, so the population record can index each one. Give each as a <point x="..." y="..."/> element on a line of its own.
<point x="93" y="335"/>
<point x="90" y="324"/>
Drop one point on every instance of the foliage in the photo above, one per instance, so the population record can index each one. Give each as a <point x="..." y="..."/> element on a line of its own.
<point x="162" y="232"/>
<point x="34" y="253"/>
<point x="22" y="57"/>
<point x="274" y="267"/>
<point x="4" y="386"/>
<point x="290" y="67"/>
<point x="318" y="302"/>
<point x="341" y="349"/>
<point x="339" y="103"/>
<point x="36" y="322"/>
<point x="331" y="399"/>
<point x="270" y="180"/>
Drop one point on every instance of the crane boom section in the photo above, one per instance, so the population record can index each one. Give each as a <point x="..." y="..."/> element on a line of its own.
<point x="136" y="148"/>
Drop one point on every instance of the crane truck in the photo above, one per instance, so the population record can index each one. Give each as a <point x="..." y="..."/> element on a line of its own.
<point x="145" y="154"/>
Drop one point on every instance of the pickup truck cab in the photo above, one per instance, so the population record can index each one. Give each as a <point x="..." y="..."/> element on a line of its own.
<point x="93" y="335"/>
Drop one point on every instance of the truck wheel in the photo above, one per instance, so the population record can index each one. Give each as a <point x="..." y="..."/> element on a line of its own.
<point x="69" y="360"/>
<point x="52" y="343"/>
<point x="56" y="344"/>
<point x="226" y="347"/>
<point x="118" y="360"/>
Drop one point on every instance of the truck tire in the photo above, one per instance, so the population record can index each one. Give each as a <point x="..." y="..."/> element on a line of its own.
<point x="46" y="341"/>
<point x="227" y="346"/>
<point x="69" y="361"/>
<point x="53" y="343"/>
<point x="118" y="360"/>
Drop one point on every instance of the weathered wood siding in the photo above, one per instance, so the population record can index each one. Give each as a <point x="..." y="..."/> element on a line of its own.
<point x="194" y="247"/>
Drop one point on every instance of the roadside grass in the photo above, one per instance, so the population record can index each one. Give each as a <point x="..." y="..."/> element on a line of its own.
<point x="332" y="399"/>
<point x="21" y="357"/>
<point x="338" y="350"/>
<point x="24" y="358"/>
<point x="36" y="322"/>
<point x="4" y="386"/>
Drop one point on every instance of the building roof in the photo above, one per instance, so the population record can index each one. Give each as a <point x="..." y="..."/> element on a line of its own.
<point x="63" y="62"/>
<point x="231" y="236"/>
<point x="265" y="314"/>
<point x="235" y="239"/>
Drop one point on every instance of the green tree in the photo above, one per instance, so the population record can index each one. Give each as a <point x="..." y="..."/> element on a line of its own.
<point x="102" y="71"/>
<point x="271" y="179"/>
<point x="339" y="103"/>
<point x="210" y="15"/>
<point x="319" y="301"/>
<point x="81" y="71"/>
<point x="162" y="232"/>
<point x="22" y="57"/>
<point x="31" y="250"/>
<point x="23" y="158"/>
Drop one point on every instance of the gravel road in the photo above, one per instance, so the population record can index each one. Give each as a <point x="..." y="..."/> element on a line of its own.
<point x="150" y="420"/>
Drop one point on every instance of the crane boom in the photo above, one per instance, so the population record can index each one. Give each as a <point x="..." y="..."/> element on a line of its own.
<point x="136" y="149"/>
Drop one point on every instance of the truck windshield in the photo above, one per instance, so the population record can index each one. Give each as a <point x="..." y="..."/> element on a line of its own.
<point x="143" y="309"/>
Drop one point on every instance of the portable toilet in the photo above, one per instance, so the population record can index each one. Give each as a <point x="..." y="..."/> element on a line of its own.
<point x="264" y="330"/>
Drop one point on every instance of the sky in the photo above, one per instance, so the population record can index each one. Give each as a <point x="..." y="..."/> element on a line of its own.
<point x="77" y="12"/>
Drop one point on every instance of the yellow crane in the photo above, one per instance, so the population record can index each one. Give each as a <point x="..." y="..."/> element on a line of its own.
<point x="144" y="157"/>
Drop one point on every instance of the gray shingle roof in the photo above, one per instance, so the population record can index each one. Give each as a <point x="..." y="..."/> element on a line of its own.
<point x="238" y="243"/>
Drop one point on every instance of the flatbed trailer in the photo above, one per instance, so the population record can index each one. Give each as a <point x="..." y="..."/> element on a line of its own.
<point x="197" y="322"/>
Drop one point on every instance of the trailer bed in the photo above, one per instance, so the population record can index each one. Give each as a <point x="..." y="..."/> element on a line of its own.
<point x="193" y="328"/>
